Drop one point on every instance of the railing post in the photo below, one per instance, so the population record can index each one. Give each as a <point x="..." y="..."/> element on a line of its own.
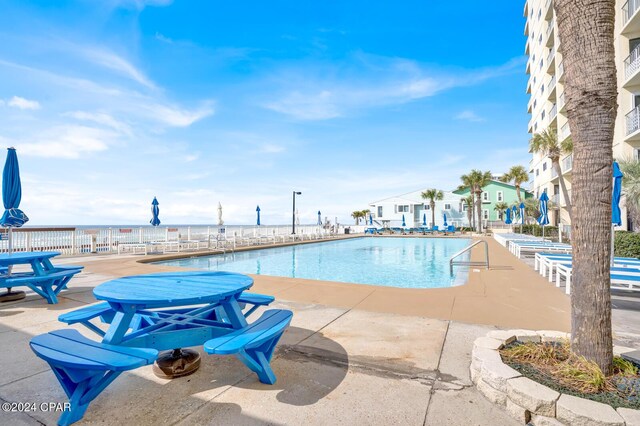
<point x="189" y="233"/>
<point x="110" y="239"/>
<point x="28" y="241"/>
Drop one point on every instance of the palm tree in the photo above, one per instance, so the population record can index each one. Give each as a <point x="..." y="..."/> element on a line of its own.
<point x="546" y="143"/>
<point x="631" y="187"/>
<point x="432" y="195"/>
<point x="518" y="175"/>
<point x="467" y="184"/>
<point x="501" y="207"/>
<point x="357" y="215"/>
<point x="586" y="29"/>
<point x="479" y="180"/>
<point x="365" y="214"/>
<point x="468" y="202"/>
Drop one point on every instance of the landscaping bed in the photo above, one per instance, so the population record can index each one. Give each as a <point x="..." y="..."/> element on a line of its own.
<point x="551" y="364"/>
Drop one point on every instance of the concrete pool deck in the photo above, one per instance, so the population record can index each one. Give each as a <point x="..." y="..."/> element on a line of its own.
<point x="356" y="354"/>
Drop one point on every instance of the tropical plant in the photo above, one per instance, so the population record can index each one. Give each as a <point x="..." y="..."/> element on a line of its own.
<point x="500" y="207"/>
<point x="468" y="202"/>
<point x="586" y="29"/>
<point x="546" y="143"/>
<point x="432" y="195"/>
<point x="466" y="184"/>
<point x="477" y="180"/>
<point x="631" y="187"/>
<point x="357" y="215"/>
<point x="364" y="214"/>
<point x="518" y="175"/>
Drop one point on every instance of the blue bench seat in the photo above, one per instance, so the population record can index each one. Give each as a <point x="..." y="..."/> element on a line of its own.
<point x="255" y="343"/>
<point x="48" y="286"/>
<point x="256" y="300"/>
<point x="85" y="368"/>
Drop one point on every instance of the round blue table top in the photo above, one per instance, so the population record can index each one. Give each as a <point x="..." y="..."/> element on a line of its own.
<point x="173" y="288"/>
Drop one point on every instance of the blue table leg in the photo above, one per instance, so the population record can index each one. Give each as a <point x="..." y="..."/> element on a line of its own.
<point x="234" y="313"/>
<point x="119" y="326"/>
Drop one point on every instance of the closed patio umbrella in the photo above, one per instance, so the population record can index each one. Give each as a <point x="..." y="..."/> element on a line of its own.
<point x="155" y="211"/>
<point x="514" y="212"/>
<point x="403" y="221"/>
<point x="370" y="219"/>
<point x="258" y="215"/>
<point x="522" y="216"/>
<point x="424" y="219"/>
<point x="444" y="215"/>
<point x="220" y="221"/>
<point x="507" y="219"/>
<point x="544" y="211"/>
<point x="319" y="218"/>
<point x="13" y="217"/>
<point x="616" y="219"/>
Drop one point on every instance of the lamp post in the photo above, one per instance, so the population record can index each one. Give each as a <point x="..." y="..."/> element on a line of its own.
<point x="293" y="222"/>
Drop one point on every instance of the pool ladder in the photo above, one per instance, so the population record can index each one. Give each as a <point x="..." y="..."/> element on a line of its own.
<point x="453" y="262"/>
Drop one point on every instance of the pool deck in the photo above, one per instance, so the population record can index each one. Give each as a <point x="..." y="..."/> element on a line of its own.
<point x="354" y="354"/>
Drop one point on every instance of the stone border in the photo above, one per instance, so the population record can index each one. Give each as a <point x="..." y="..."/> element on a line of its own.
<point x="530" y="402"/>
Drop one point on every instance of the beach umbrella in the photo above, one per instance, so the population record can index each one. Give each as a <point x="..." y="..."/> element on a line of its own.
<point x="403" y="221"/>
<point x="544" y="211"/>
<point x="319" y="218"/>
<point x="370" y="219"/>
<point x="258" y="214"/>
<point x="522" y="216"/>
<point x="616" y="219"/>
<point x="444" y="215"/>
<point x="155" y="211"/>
<point x="424" y="219"/>
<point x="13" y="217"/>
<point x="507" y="219"/>
<point x="220" y="221"/>
<point x="514" y="212"/>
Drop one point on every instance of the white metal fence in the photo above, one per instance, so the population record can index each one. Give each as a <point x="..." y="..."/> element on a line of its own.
<point x="72" y="241"/>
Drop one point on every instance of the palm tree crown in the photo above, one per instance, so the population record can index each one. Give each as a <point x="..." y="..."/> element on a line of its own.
<point x="546" y="143"/>
<point x="518" y="175"/>
<point x="432" y="195"/>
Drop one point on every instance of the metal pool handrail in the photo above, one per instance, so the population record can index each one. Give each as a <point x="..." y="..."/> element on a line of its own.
<point x="469" y="263"/>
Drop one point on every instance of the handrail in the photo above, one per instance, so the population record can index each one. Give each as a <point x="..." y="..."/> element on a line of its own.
<point x="468" y="263"/>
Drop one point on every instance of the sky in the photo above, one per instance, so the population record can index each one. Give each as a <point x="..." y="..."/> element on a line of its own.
<point x="110" y="103"/>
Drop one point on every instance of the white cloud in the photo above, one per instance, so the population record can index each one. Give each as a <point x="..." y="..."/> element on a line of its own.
<point x="116" y="63"/>
<point x="271" y="148"/>
<point x="176" y="116"/>
<point x="324" y="91"/>
<point x="101" y="118"/>
<point x="22" y="103"/>
<point x="163" y="38"/>
<point x="68" y="141"/>
<point x="469" y="115"/>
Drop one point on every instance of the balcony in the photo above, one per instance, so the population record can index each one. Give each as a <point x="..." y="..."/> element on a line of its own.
<point x="526" y="28"/>
<point x="548" y="10"/>
<point x="567" y="164"/>
<point x="526" y="46"/>
<point x="631" y="68"/>
<point x="561" y="102"/>
<point x="551" y="87"/>
<point x="630" y="16"/>
<point x="530" y="105"/>
<point x="549" y="35"/>
<point x="553" y="113"/>
<point x="561" y="72"/>
<point x="565" y="132"/>
<point x="633" y="124"/>
<point x="550" y="61"/>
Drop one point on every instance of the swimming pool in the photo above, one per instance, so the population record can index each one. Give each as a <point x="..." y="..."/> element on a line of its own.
<point x="388" y="261"/>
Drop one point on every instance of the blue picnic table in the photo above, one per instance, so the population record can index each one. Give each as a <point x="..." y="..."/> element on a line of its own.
<point x="148" y="313"/>
<point x="44" y="278"/>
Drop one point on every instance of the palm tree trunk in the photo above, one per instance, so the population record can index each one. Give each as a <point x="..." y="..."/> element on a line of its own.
<point x="433" y="213"/>
<point x="555" y="163"/>
<point x="479" y="210"/>
<point x="518" y="194"/>
<point x="586" y="29"/>
<point x="473" y="214"/>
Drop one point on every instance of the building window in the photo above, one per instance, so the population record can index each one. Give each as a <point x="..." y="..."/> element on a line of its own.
<point x="485" y="197"/>
<point x="636" y="154"/>
<point x="543" y="114"/>
<point x="541" y="63"/>
<point x="485" y="214"/>
<point x="537" y="172"/>
<point x="379" y="211"/>
<point x="535" y="126"/>
<point x="403" y="209"/>
<point x="542" y="89"/>
<point x="447" y="206"/>
<point x="535" y="102"/>
<point x="544" y="166"/>
<point x="500" y="196"/>
<point x="427" y="207"/>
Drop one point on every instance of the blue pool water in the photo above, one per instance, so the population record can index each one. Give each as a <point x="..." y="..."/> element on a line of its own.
<point x="395" y="262"/>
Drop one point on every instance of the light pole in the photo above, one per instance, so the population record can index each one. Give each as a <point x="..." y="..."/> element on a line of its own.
<point x="293" y="222"/>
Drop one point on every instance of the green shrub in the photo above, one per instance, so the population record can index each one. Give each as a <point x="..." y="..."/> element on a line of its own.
<point x="627" y="244"/>
<point x="536" y="230"/>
